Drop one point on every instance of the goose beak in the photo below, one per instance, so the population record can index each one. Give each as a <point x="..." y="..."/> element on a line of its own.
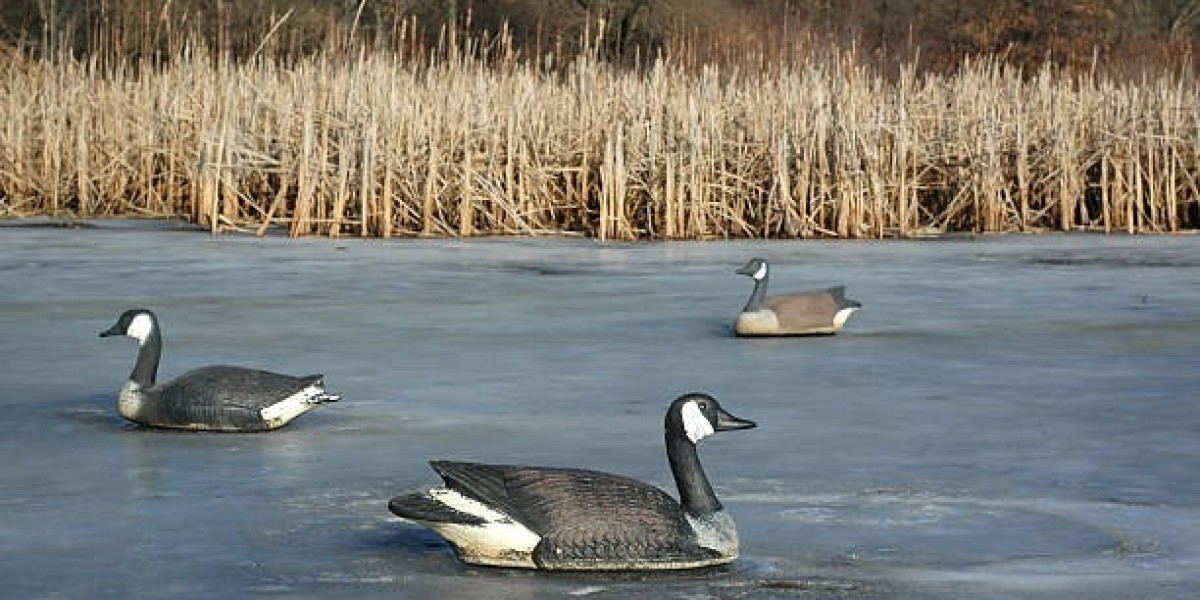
<point x="747" y="269"/>
<point x="728" y="422"/>
<point x="111" y="331"/>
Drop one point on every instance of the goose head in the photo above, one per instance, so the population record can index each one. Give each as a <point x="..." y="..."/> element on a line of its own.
<point x="137" y="323"/>
<point x="697" y="416"/>
<point x="756" y="269"/>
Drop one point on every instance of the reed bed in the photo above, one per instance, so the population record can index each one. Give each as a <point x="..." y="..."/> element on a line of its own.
<point x="380" y="143"/>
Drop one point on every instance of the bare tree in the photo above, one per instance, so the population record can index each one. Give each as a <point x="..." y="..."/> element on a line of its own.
<point x="1178" y="19"/>
<point x="621" y="15"/>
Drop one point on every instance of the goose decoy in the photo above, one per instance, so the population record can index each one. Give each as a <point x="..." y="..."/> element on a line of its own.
<point x="217" y="398"/>
<point x="580" y="520"/>
<point x="816" y="312"/>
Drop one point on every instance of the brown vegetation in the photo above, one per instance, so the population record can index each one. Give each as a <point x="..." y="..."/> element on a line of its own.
<point x="463" y="133"/>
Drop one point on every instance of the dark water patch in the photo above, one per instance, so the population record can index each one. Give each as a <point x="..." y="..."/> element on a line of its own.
<point x="47" y="224"/>
<point x="810" y="585"/>
<point x="101" y="224"/>
<point x="402" y="538"/>
<point x="612" y="269"/>
<point x="1114" y="260"/>
<point x="553" y="269"/>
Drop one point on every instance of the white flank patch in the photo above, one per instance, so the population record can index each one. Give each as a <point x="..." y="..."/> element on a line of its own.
<point x="695" y="424"/>
<point x="842" y="316"/>
<point x="471" y="506"/>
<point x="500" y="540"/>
<point x="140" y="328"/>
<point x="291" y="407"/>
<point x="761" y="272"/>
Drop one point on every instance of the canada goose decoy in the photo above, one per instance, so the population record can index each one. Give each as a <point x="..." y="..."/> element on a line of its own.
<point x="217" y="398"/>
<point x="576" y="519"/>
<point x="816" y="312"/>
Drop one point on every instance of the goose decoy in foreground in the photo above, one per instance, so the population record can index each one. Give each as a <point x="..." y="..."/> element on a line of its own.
<point x="816" y="312"/>
<point x="217" y="398"/>
<point x="580" y="520"/>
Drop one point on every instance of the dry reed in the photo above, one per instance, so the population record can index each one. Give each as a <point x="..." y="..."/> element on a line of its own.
<point x="380" y="143"/>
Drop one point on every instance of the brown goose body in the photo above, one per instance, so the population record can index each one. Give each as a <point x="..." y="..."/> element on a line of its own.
<point x="576" y="519"/>
<point x="815" y="312"/>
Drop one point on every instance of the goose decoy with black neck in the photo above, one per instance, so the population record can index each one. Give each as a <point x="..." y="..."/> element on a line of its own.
<point x="580" y="520"/>
<point x="816" y="312"/>
<point x="217" y="398"/>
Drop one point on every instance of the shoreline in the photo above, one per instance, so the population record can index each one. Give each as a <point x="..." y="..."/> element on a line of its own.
<point x="183" y="225"/>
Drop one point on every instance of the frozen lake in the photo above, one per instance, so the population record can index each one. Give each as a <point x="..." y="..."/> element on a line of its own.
<point x="1012" y="417"/>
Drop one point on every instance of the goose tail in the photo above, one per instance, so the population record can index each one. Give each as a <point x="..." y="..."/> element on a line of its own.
<point x="317" y="392"/>
<point x="322" y="397"/>
<point x="839" y="293"/>
<point x="422" y="506"/>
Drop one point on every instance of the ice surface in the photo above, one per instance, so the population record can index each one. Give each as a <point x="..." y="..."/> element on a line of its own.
<point x="1006" y="417"/>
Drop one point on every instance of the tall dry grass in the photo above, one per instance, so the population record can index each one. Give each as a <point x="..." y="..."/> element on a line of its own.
<point x="386" y="143"/>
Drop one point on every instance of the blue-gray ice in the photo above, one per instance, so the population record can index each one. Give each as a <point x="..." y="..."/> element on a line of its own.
<point x="1006" y="417"/>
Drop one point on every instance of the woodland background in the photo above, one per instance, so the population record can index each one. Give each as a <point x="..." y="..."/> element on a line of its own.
<point x="1132" y="33"/>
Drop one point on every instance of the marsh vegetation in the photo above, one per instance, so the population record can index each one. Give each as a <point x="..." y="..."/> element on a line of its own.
<point x="468" y="132"/>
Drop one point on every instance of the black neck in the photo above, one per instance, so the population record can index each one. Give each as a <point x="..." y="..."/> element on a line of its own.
<point x="146" y="367"/>
<point x="695" y="493"/>
<point x="756" y="297"/>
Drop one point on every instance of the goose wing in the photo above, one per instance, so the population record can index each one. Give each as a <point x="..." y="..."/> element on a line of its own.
<point x="224" y="394"/>
<point x="582" y="516"/>
<point x="807" y="310"/>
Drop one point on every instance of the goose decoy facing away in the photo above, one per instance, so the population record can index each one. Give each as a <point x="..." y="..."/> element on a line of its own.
<point x="816" y="312"/>
<point x="217" y="398"/>
<point x="575" y="519"/>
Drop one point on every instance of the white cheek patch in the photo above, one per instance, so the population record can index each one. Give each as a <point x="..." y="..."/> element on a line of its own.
<point x="761" y="272"/>
<point x="695" y="424"/>
<point x="139" y="328"/>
